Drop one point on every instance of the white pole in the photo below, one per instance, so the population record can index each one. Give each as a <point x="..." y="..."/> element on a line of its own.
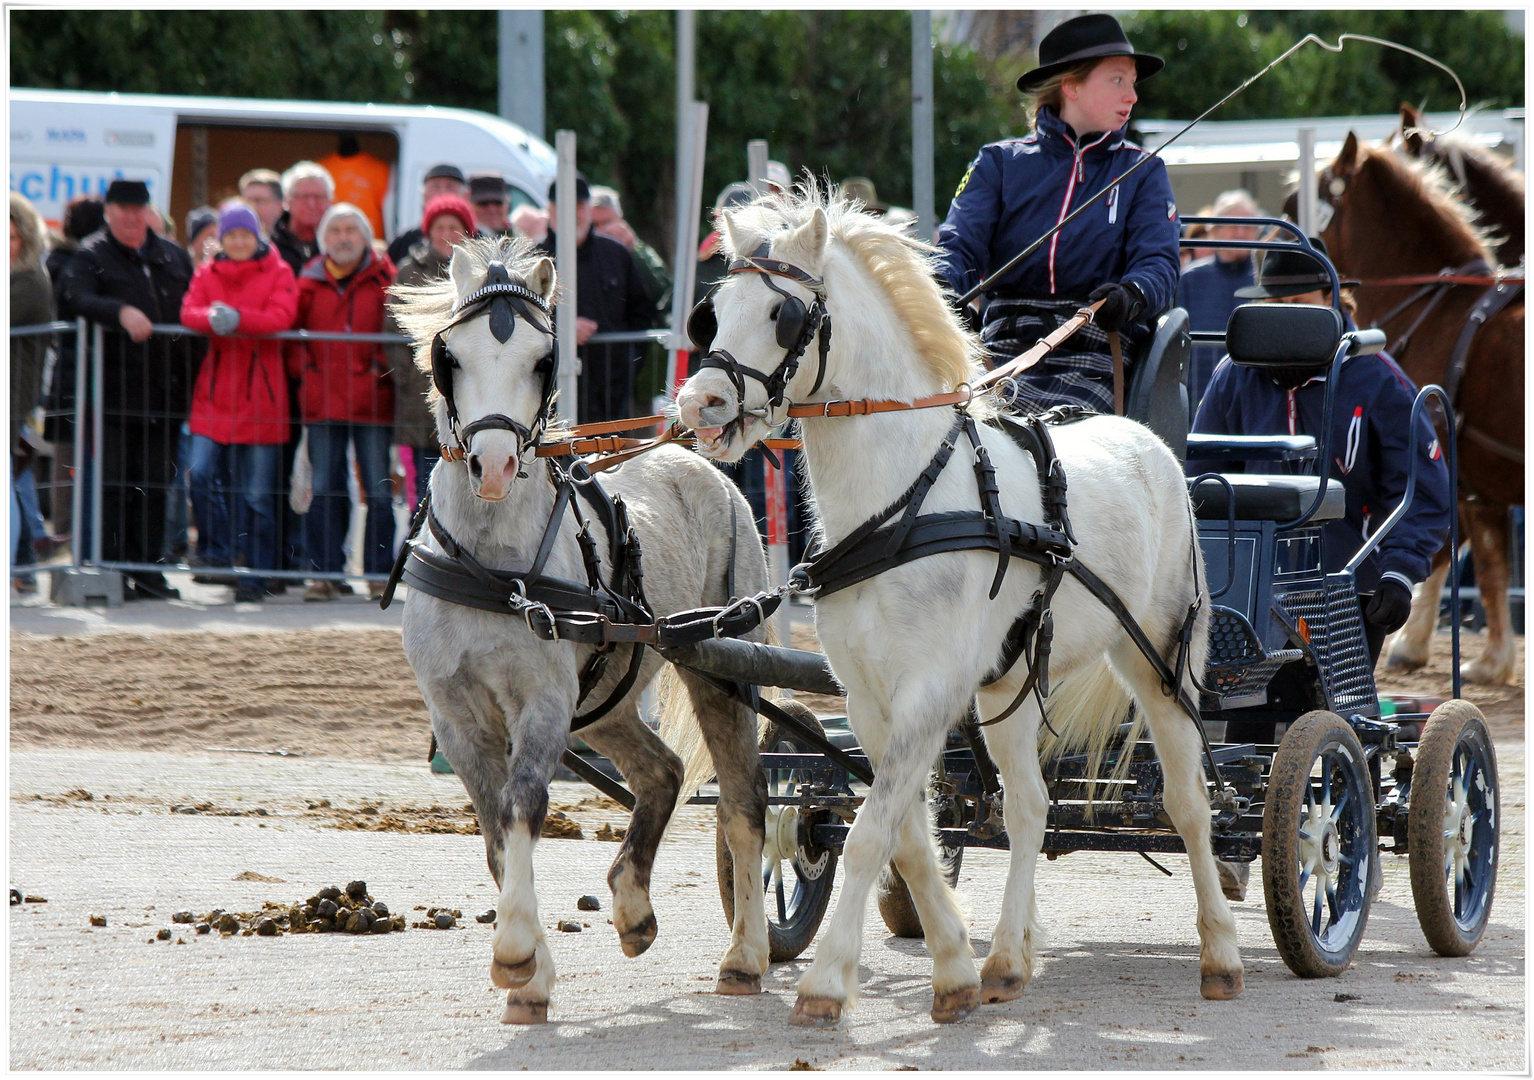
<point x="776" y="480"/>
<point x="683" y="256"/>
<point x="1307" y="190"/>
<point x="564" y="265"/>
<point x="687" y="248"/>
<point x="921" y="124"/>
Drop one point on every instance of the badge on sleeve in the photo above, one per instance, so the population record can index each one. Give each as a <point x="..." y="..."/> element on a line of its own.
<point x="1171" y="210"/>
<point x="964" y="181"/>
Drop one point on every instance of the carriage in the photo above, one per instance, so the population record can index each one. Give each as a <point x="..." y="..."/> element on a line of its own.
<point x="1312" y="776"/>
<point x="1267" y="734"/>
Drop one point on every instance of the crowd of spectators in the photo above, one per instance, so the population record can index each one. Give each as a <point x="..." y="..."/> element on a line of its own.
<point x="270" y="442"/>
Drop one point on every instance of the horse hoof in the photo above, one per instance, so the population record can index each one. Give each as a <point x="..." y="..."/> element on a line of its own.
<point x="738" y="982"/>
<point x="1222" y="987"/>
<point x="637" y="939"/>
<point x="1007" y="988"/>
<point x="526" y="1012"/>
<point x="951" y="1006"/>
<point x="511" y="976"/>
<point x="1403" y="663"/>
<point x="816" y="1012"/>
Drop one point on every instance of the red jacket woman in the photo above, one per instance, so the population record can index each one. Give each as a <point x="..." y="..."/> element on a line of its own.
<point x="241" y="395"/>
<point x="344" y="382"/>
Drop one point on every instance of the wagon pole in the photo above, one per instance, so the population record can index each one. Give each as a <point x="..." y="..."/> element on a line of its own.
<point x="1306" y="40"/>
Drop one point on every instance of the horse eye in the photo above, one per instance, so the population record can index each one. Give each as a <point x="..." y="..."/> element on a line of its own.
<point x="773" y="314"/>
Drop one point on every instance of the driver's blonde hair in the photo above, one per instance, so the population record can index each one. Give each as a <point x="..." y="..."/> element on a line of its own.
<point x="1049" y="91"/>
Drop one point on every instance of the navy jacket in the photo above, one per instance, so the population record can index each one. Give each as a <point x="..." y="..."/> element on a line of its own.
<point x="1207" y="291"/>
<point x="1018" y="189"/>
<point x="1367" y="445"/>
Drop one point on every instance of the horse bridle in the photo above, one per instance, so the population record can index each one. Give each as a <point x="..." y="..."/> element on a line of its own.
<point x="797" y="326"/>
<point x="504" y="299"/>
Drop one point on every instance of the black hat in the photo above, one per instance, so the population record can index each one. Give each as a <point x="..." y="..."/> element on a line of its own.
<point x="1086" y="37"/>
<point x="444" y="172"/>
<point x="582" y="189"/>
<point x="487" y="187"/>
<point x="1290" y="272"/>
<point x="201" y="218"/>
<point x="128" y="193"/>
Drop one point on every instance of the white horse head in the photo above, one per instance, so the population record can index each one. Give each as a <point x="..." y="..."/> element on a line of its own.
<point x="892" y="333"/>
<point x="485" y="333"/>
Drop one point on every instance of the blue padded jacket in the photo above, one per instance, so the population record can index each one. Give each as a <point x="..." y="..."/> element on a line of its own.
<point x="1018" y="189"/>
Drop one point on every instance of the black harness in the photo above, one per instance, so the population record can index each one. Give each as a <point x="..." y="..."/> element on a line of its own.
<point x="795" y="327"/>
<point x="880" y="544"/>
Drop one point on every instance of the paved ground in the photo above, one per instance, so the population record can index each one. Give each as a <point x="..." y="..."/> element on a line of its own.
<point x="1117" y="987"/>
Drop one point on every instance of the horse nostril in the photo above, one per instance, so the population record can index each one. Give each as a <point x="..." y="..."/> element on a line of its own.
<point x="713" y="401"/>
<point x="476" y="470"/>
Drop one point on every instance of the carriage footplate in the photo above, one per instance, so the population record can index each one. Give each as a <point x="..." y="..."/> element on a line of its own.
<point x="1238" y="664"/>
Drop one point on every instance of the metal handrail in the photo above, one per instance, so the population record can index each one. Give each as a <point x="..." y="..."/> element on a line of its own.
<point x="38" y="329"/>
<point x="615" y="337"/>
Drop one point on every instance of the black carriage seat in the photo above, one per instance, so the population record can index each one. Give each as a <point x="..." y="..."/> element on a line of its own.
<point x="1157" y="394"/>
<point x="1271" y="336"/>
<point x="1267" y="497"/>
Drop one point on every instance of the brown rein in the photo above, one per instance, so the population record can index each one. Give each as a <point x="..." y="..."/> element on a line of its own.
<point x="601" y="437"/>
<point x="1439" y="279"/>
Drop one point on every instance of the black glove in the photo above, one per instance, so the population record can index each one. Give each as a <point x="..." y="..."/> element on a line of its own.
<point x="1390" y="605"/>
<point x="1121" y="303"/>
<point x="966" y="312"/>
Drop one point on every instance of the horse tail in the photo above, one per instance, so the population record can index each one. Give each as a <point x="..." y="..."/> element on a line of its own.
<point x="679" y="730"/>
<point x="679" y="727"/>
<point x="1086" y="713"/>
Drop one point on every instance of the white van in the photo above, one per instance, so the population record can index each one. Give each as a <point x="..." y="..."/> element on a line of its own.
<point x="193" y="150"/>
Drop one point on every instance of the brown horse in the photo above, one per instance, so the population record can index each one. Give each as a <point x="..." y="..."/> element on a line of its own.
<point x="1490" y="185"/>
<point x="1393" y="217"/>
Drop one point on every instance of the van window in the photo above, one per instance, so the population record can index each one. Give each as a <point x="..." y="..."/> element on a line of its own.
<point x="210" y="157"/>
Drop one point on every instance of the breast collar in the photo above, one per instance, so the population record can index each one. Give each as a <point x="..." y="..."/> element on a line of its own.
<point x="793" y="315"/>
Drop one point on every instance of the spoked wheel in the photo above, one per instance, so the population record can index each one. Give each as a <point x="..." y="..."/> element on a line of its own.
<point x="1453" y="834"/>
<point x="797" y="876"/>
<point x="1318" y="841"/>
<point x="896" y="907"/>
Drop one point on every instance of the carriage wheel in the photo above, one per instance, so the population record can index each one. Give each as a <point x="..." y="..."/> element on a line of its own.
<point x="895" y="905"/>
<point x="1453" y="833"/>
<point x="1318" y="841"/>
<point x="797" y="876"/>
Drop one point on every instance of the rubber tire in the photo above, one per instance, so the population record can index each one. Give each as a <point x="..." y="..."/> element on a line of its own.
<point x="895" y="905"/>
<point x="1451" y="724"/>
<point x="784" y="941"/>
<point x="1288" y="785"/>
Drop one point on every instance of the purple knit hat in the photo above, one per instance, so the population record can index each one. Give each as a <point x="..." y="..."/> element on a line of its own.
<point x="238" y="216"/>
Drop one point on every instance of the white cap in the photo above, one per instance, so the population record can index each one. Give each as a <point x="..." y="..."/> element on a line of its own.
<point x="778" y="176"/>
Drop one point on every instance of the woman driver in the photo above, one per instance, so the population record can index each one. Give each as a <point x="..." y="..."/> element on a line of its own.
<point x="1123" y="250"/>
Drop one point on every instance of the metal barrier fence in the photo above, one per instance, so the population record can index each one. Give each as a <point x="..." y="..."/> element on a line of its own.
<point x="218" y="504"/>
<point x="46" y="498"/>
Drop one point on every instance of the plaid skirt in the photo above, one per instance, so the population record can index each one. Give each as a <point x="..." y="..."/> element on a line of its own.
<point x="1079" y="371"/>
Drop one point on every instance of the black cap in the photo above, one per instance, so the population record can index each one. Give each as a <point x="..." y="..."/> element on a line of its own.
<point x="582" y="189"/>
<point x="128" y="193"/>
<point x="1291" y="272"/>
<point x="1086" y="37"/>
<point x="487" y="187"/>
<point x="199" y="219"/>
<point x="445" y="172"/>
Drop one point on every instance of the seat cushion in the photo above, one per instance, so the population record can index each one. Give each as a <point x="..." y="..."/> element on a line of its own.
<point x="1268" y="497"/>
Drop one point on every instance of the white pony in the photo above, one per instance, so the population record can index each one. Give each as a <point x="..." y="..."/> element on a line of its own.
<point x="913" y="644"/>
<point x="502" y="698"/>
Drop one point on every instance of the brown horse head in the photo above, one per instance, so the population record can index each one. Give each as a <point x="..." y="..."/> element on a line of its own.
<point x="1489" y="184"/>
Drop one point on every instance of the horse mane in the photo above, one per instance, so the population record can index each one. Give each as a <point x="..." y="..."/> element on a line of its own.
<point x="423" y="310"/>
<point x="1431" y="184"/>
<point x="902" y="265"/>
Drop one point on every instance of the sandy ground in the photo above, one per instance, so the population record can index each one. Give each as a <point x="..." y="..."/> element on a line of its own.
<point x="145" y="778"/>
<point x="342" y="694"/>
<point x="1116" y="987"/>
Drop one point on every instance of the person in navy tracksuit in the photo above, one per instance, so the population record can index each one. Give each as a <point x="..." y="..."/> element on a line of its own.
<point x="1367" y="445"/>
<point x="1123" y="250"/>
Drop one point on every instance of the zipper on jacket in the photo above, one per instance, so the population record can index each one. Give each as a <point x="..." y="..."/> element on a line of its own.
<point x="1078" y="172"/>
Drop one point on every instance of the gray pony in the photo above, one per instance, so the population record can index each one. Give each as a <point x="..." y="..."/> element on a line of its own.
<point x="501" y="698"/>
